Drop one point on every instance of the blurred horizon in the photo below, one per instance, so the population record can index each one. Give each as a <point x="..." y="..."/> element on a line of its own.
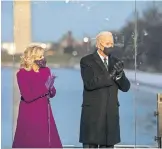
<point x="62" y="27"/>
<point x="58" y="17"/>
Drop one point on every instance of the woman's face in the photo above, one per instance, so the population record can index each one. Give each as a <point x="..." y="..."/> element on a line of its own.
<point x="39" y="60"/>
<point x="40" y="56"/>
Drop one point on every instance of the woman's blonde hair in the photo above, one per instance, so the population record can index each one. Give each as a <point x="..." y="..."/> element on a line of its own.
<point x="31" y="54"/>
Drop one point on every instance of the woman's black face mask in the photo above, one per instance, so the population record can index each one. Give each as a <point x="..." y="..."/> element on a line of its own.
<point x="41" y="63"/>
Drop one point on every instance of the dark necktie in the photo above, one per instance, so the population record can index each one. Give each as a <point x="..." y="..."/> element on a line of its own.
<point x="105" y="63"/>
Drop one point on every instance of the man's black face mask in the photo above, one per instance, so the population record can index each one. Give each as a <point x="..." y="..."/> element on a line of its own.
<point x="108" y="51"/>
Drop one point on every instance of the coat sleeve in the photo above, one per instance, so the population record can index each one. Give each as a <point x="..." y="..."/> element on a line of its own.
<point x="123" y="83"/>
<point x="92" y="81"/>
<point x="27" y="91"/>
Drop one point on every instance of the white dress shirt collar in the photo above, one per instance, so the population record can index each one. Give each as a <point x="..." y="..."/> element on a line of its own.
<point x="102" y="57"/>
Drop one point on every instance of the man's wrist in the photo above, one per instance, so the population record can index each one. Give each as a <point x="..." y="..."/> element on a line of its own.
<point x="119" y="76"/>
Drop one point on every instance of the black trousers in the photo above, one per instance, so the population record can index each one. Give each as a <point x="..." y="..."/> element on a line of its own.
<point x="97" y="146"/>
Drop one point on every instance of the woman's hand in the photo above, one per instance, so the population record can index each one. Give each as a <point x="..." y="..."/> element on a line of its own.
<point x="50" y="81"/>
<point x="53" y="77"/>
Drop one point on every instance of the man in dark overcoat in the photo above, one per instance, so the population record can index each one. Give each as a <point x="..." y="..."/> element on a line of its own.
<point x="102" y="76"/>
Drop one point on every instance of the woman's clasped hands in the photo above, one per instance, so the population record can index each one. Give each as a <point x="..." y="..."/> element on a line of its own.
<point x="50" y="81"/>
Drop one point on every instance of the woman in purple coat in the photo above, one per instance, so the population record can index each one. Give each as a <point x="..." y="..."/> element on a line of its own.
<point x="36" y="126"/>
